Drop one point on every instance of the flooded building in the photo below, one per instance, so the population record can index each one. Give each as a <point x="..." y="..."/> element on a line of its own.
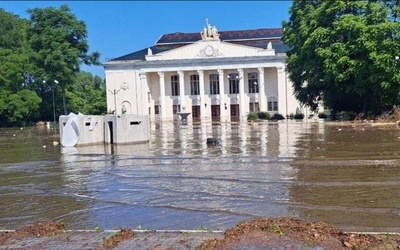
<point x="213" y="75"/>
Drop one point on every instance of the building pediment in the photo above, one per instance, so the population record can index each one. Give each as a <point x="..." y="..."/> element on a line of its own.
<point x="210" y="49"/>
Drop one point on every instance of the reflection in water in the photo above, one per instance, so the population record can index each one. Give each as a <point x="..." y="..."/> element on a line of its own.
<point x="346" y="176"/>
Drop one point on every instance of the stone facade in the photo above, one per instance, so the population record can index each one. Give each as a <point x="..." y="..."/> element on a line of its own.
<point x="219" y="76"/>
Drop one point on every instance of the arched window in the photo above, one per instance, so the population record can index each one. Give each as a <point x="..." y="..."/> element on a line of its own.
<point x="194" y="85"/>
<point x="214" y="84"/>
<point x="253" y="82"/>
<point x="233" y="83"/>
<point x="175" y="85"/>
<point x="272" y="103"/>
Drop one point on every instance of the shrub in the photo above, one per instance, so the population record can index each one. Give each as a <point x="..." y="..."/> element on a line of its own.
<point x="299" y="116"/>
<point x="264" y="115"/>
<point x="252" y="116"/>
<point x="277" y="117"/>
<point x="322" y="115"/>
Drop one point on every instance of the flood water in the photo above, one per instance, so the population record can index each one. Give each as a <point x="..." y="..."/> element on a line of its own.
<point x="345" y="175"/>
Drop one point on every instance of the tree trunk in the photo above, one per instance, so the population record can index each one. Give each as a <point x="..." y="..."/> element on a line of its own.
<point x="64" y="101"/>
<point x="365" y="110"/>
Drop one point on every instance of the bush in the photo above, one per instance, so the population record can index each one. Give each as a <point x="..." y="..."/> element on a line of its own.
<point x="277" y="117"/>
<point x="299" y="116"/>
<point x="264" y="115"/>
<point x="322" y="115"/>
<point x="252" y="116"/>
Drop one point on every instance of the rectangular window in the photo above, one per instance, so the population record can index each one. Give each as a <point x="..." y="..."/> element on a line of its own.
<point x="157" y="109"/>
<point x="175" y="85"/>
<point x="272" y="105"/>
<point x="194" y="85"/>
<point x="176" y="108"/>
<point x="254" y="107"/>
<point x="233" y="83"/>
<point x="214" y="84"/>
<point x="253" y="82"/>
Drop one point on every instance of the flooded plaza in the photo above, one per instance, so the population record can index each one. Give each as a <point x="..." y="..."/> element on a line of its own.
<point x="347" y="175"/>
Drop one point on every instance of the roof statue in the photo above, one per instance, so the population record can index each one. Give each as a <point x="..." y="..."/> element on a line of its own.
<point x="149" y="52"/>
<point x="269" y="46"/>
<point x="209" y="32"/>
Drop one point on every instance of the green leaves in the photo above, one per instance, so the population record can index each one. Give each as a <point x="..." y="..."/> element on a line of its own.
<point x="18" y="108"/>
<point x="50" y="46"/>
<point x="59" y="41"/>
<point x="343" y="52"/>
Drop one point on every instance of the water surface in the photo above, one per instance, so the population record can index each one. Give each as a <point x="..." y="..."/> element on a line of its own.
<point x="348" y="176"/>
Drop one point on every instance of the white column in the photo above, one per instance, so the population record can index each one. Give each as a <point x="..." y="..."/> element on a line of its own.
<point x="261" y="95"/>
<point x="182" y="89"/>
<point x="162" y="94"/>
<point x="222" y="92"/>
<point x="282" y="95"/>
<point x="144" y="102"/>
<point x="201" y="82"/>
<point x="241" y="93"/>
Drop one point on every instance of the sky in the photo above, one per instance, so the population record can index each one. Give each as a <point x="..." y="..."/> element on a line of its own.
<point x="117" y="28"/>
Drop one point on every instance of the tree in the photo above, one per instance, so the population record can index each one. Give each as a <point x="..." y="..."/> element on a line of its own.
<point x="14" y="52"/>
<point x="18" y="104"/>
<point x="59" y="42"/>
<point x="87" y="95"/>
<point x="344" y="53"/>
<point x="18" y="108"/>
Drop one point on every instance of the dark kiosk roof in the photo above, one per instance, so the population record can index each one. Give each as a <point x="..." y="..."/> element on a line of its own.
<point x="255" y="38"/>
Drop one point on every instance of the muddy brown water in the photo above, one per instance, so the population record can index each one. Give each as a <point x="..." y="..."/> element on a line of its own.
<point x="347" y="175"/>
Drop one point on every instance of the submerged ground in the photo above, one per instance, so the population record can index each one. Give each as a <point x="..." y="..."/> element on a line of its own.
<point x="344" y="174"/>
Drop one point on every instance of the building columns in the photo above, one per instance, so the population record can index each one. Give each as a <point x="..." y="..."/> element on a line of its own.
<point x="282" y="91"/>
<point x="262" y="97"/>
<point x="144" y="95"/>
<point x="182" y="89"/>
<point x="221" y="92"/>
<point x="162" y="94"/>
<point x="201" y="83"/>
<point x="241" y="93"/>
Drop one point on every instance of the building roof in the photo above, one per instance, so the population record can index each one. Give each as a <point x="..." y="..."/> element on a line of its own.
<point x="258" y="38"/>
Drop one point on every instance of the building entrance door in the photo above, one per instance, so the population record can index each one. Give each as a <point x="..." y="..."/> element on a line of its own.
<point x="196" y="113"/>
<point x="235" y="114"/>
<point x="215" y="113"/>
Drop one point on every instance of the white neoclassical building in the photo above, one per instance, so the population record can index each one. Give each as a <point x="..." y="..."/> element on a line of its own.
<point x="218" y="76"/>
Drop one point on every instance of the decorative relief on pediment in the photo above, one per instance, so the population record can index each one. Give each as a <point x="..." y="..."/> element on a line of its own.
<point x="209" y="51"/>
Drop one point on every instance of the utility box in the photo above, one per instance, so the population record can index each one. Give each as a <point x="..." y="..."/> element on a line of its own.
<point x="81" y="129"/>
<point x="126" y="128"/>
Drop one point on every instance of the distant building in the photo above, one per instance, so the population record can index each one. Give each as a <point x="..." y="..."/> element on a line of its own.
<point x="219" y="76"/>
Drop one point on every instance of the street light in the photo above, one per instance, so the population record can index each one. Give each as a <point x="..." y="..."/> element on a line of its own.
<point x="115" y="92"/>
<point x="53" y="87"/>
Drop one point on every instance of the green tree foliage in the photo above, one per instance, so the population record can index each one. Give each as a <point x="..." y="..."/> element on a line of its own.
<point x="14" y="52"/>
<point x="59" y="42"/>
<point x="18" y="104"/>
<point x="33" y="53"/>
<point x="344" y="53"/>
<point x="18" y="108"/>
<point x="87" y="95"/>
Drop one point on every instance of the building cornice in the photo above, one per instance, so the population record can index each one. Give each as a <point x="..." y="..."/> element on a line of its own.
<point x="194" y="63"/>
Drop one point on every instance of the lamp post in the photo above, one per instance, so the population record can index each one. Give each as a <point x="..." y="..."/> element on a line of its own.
<point x="53" y="87"/>
<point x="115" y="92"/>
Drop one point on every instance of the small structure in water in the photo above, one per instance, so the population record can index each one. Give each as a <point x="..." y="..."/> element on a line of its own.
<point x="126" y="128"/>
<point x="77" y="130"/>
